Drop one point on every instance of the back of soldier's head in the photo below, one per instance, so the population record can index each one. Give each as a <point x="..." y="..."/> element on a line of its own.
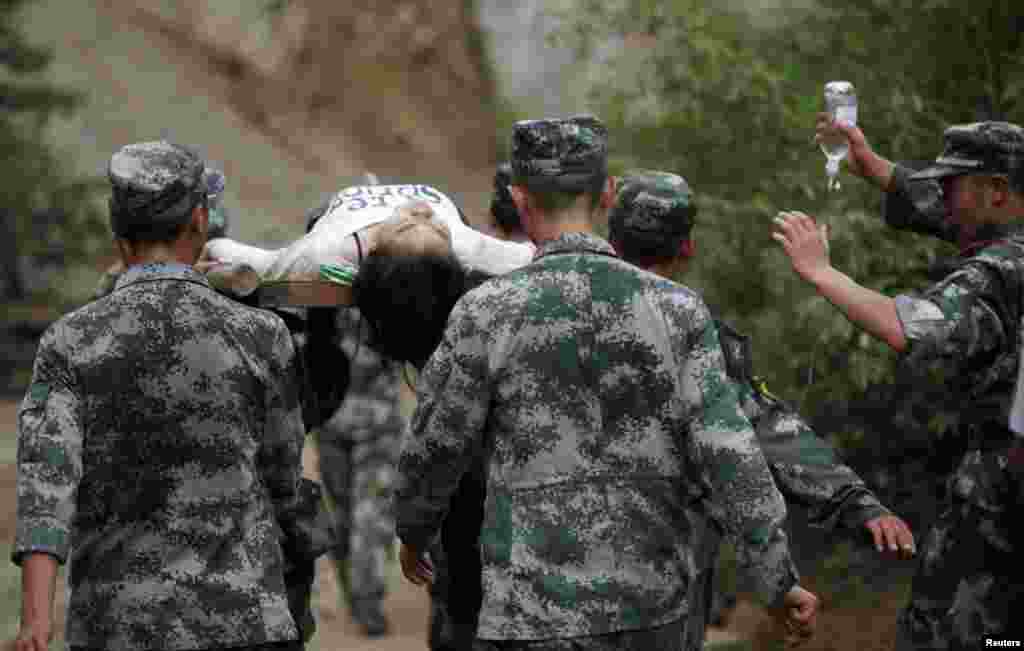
<point x="652" y="216"/>
<point x="557" y="160"/>
<point x="155" y="188"/>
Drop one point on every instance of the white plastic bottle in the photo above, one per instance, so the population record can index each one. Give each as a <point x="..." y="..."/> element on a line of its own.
<point x="841" y="104"/>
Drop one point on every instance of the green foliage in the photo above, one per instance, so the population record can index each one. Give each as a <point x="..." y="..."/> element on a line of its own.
<point x="44" y="211"/>
<point x="728" y="99"/>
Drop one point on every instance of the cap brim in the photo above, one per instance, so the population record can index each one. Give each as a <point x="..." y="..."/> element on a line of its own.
<point x="939" y="172"/>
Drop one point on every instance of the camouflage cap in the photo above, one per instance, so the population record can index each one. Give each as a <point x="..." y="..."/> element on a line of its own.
<point x="980" y="148"/>
<point x="559" y="154"/>
<point x="652" y="215"/>
<point x="156" y="185"/>
<point x="503" y="209"/>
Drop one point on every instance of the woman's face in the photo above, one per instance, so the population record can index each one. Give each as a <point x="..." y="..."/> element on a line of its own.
<point x="414" y="230"/>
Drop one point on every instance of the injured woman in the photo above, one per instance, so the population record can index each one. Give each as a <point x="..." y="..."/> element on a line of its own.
<point x="402" y="254"/>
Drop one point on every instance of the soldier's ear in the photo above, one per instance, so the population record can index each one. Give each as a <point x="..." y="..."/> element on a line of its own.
<point x="519" y="197"/>
<point x="608" y="193"/>
<point x="687" y="248"/>
<point x="200" y="222"/>
<point x="125" y="249"/>
<point x="524" y="204"/>
<point x="999" y="191"/>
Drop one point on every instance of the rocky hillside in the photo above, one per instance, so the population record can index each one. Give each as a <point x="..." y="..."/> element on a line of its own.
<point x="293" y="102"/>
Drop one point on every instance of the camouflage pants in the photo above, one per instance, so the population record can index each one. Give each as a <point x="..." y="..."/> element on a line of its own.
<point x="357" y="467"/>
<point x="966" y="588"/>
<point x="663" y="638"/>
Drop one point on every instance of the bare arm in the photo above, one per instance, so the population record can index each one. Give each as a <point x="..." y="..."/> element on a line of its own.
<point x="49" y="470"/>
<point x="807" y="247"/>
<point x="38" y="579"/>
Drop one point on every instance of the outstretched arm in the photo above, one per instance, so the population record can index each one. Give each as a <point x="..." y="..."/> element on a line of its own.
<point x="806" y="244"/>
<point x="744" y="501"/>
<point x="807" y="471"/>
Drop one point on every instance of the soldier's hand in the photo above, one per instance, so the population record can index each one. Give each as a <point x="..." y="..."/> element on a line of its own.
<point x="801" y="615"/>
<point x="805" y="242"/>
<point x="416" y="567"/>
<point x="204" y="266"/>
<point x="892" y="536"/>
<point x="34" y="635"/>
<point x="206" y="261"/>
<point x="862" y="160"/>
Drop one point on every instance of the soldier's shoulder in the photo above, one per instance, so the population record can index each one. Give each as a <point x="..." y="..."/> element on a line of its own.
<point x="93" y="314"/>
<point x="254" y="316"/>
<point x="1003" y="258"/>
<point x="503" y="287"/>
<point x="632" y="275"/>
<point x="230" y="314"/>
<point x="676" y="295"/>
<point x="726" y="330"/>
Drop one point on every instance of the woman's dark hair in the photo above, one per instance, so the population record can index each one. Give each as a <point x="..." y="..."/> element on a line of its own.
<point x="503" y="208"/>
<point x="406" y="299"/>
<point x="327" y="367"/>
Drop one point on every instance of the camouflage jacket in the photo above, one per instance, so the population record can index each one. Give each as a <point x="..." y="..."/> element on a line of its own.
<point x="965" y="330"/>
<point x="159" y="447"/>
<point x="600" y="396"/>
<point x="804" y="466"/>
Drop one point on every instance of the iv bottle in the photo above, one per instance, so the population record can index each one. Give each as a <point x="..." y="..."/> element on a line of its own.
<point x="841" y="104"/>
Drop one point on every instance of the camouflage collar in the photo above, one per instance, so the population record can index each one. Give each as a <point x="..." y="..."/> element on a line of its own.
<point x="988" y="234"/>
<point x="575" y="243"/>
<point x="159" y="271"/>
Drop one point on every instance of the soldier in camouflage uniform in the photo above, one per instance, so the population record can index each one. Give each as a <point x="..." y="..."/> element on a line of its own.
<point x="966" y="327"/>
<point x="597" y="393"/>
<point x="159" y="444"/>
<point x="455" y="553"/>
<point x="358" y="450"/>
<point x="651" y="226"/>
<point x="913" y="203"/>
